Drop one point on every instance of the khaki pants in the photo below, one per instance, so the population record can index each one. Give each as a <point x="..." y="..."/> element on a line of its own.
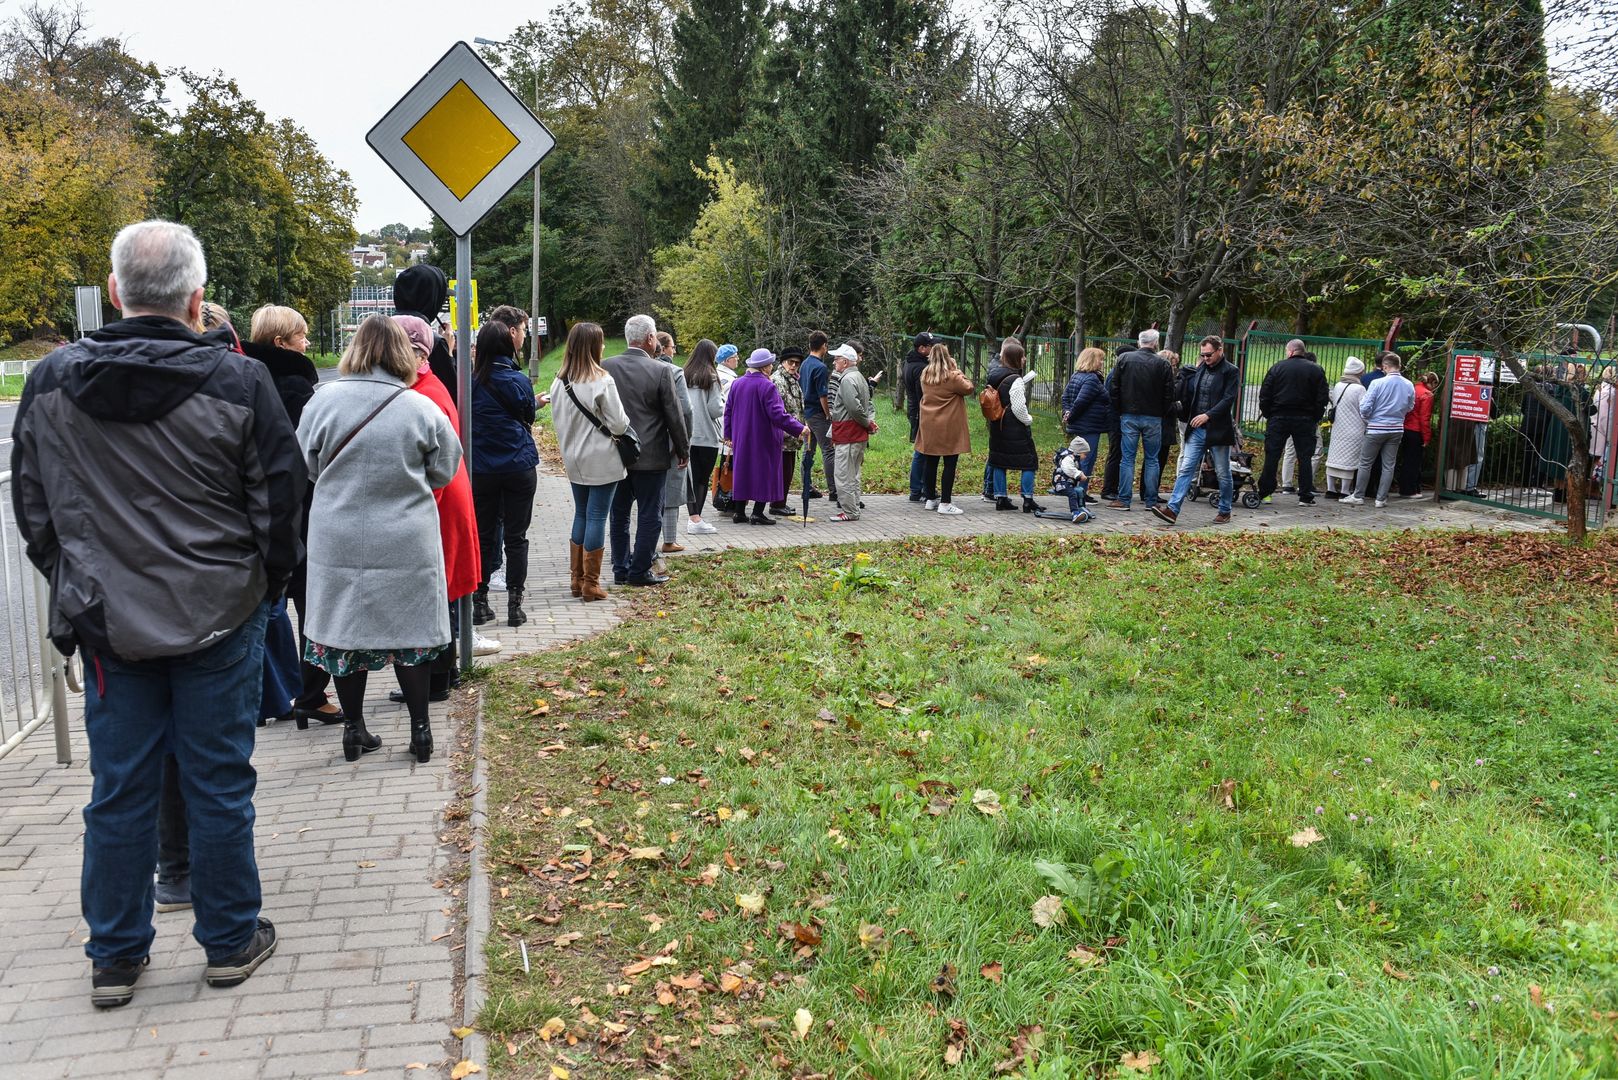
<point x="849" y="460"/>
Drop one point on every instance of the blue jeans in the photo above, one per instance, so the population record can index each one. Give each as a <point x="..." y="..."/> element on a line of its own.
<point x="1196" y="441"/>
<point x="282" y="673"/>
<point x="1027" y="484"/>
<point x="591" y="504"/>
<point x="201" y="708"/>
<point x="918" y="472"/>
<point x="644" y="488"/>
<point x="988" y="479"/>
<point x="1145" y="434"/>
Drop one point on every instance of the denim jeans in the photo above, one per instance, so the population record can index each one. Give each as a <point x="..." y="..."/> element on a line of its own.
<point x="173" y="838"/>
<point x="201" y="708"/>
<point x="591" y="505"/>
<point x="644" y="489"/>
<point x="1196" y="441"/>
<point x="918" y="473"/>
<point x="1026" y="486"/>
<point x="282" y="673"/>
<point x="1140" y="434"/>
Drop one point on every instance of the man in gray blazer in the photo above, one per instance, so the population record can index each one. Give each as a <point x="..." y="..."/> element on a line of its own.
<point x="646" y="388"/>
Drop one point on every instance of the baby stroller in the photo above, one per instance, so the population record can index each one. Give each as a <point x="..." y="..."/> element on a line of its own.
<point x="1243" y="488"/>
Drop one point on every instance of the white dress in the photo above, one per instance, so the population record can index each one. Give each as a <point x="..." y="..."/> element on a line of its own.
<point x="1347" y="431"/>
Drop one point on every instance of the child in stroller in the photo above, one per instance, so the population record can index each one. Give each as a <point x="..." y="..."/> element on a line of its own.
<point x="1241" y="477"/>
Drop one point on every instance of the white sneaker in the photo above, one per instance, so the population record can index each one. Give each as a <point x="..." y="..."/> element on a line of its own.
<point x="1381" y="504"/>
<point x="1351" y="500"/>
<point x="1416" y="497"/>
<point x="949" y="508"/>
<point x="497" y="580"/>
<point x="931" y="504"/>
<point x="699" y="528"/>
<point x="482" y="646"/>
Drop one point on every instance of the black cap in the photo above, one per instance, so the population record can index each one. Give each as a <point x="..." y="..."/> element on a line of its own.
<point x="923" y="340"/>
<point x="792" y="352"/>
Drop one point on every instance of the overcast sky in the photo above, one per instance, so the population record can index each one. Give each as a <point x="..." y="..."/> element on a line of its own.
<point x="331" y="66"/>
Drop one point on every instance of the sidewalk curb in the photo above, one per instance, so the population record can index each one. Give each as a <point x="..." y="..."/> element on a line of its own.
<point x="475" y="1047"/>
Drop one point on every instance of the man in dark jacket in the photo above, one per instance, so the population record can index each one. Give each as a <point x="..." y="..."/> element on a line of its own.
<point x="158" y="487"/>
<point x="914" y="365"/>
<point x="1292" y="401"/>
<point x="1209" y="406"/>
<point x="646" y="388"/>
<point x="1141" y="387"/>
<point x="421" y="290"/>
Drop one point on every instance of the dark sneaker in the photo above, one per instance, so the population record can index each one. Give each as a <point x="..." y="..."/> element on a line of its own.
<point x="235" y="969"/>
<point x="175" y="897"/>
<point x="113" y="985"/>
<point x="1165" y="514"/>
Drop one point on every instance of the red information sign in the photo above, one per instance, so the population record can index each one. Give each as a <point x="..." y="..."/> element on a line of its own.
<point x="1468" y="369"/>
<point x="1468" y="401"/>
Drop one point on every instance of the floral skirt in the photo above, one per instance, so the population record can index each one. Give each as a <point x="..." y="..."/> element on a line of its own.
<point x="341" y="662"/>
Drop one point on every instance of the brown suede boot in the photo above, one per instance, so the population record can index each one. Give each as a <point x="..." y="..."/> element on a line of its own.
<point x="590" y="580"/>
<point x="575" y="558"/>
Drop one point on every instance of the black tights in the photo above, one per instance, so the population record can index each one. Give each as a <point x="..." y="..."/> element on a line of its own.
<point x="413" y="681"/>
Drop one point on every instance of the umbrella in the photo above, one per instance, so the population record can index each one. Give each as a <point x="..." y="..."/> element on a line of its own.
<point x="806" y="470"/>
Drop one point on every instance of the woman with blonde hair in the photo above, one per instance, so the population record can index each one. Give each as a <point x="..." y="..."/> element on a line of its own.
<point x="588" y="417"/>
<point x="943" y="433"/>
<point x="1086" y="406"/>
<point x="377" y="582"/>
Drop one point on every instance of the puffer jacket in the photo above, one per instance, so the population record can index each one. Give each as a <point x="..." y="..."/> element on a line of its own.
<point x="158" y="486"/>
<point x="503" y="420"/>
<point x="1086" y="405"/>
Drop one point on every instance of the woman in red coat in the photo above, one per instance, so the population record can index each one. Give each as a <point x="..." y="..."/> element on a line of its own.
<point x="1418" y="433"/>
<point x="457" y="522"/>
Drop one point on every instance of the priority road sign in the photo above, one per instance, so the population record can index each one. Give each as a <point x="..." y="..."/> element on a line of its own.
<point x="461" y="139"/>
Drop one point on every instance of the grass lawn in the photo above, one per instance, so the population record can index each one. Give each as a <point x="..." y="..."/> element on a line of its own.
<point x="1214" y="806"/>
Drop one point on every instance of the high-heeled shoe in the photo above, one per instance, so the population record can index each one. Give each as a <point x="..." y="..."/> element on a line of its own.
<point x="421" y="739"/>
<point x="301" y="717"/>
<point x="356" y="740"/>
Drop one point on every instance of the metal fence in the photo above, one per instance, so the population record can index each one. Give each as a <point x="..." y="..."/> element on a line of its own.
<point x="34" y="688"/>
<point x="1518" y="459"/>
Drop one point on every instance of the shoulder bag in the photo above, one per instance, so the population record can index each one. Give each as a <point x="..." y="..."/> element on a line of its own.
<point x="359" y="428"/>
<point x="628" y="443"/>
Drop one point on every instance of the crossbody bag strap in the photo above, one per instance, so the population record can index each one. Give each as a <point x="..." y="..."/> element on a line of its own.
<point x="361" y="426"/>
<point x="588" y="415"/>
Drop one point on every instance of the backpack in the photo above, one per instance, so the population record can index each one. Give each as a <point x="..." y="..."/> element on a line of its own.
<point x="991" y="405"/>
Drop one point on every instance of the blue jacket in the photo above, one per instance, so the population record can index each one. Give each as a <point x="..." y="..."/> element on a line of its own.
<point x="1086" y="404"/>
<point x="503" y="421"/>
<point x="1387" y="403"/>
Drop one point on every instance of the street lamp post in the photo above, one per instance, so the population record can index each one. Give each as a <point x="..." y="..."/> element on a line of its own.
<point x="533" y="295"/>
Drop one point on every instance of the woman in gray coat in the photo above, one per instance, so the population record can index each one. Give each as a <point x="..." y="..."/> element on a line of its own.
<point x="376" y="565"/>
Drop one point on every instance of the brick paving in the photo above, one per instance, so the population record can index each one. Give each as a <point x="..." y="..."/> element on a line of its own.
<point x="359" y="981"/>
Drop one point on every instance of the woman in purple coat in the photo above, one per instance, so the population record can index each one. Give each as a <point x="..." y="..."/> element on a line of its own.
<point x="755" y="422"/>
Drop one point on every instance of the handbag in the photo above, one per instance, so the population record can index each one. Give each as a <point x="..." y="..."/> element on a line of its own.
<point x="628" y="443"/>
<point x="357" y="429"/>
<point x="722" y="480"/>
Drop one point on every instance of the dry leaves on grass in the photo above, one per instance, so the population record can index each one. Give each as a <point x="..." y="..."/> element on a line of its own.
<point x="464" y="1069"/>
<point x="1394" y="973"/>
<point x="801" y="1021"/>
<point x="872" y="936"/>
<point x="751" y="903"/>
<point x="1048" y="912"/>
<point x="943" y="983"/>
<point x="1024" y="1048"/>
<point x="986" y="801"/>
<point x="992" y="971"/>
<point x="1141" y="1062"/>
<point x="1223" y="795"/>
<point x="955" y="1043"/>
<point x="1305" y="837"/>
<point x="553" y="1027"/>
<point x="1086" y="957"/>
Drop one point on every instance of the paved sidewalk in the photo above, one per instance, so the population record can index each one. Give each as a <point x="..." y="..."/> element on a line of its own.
<point x="349" y="854"/>
<point x="364" y="976"/>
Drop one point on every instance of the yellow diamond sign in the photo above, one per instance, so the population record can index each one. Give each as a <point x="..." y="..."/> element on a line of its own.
<point x="460" y="139"/>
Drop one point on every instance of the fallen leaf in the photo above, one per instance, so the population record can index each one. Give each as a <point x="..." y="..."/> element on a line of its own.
<point x="944" y="982"/>
<point x="559" y="1073"/>
<point x="731" y="983"/>
<point x="986" y="801"/>
<point x="1048" y="912"/>
<point x="1224" y="794"/>
<point x="1394" y="973"/>
<point x="1536" y="994"/>
<point x="751" y="903"/>
<point x="639" y="967"/>
<point x="992" y="971"/>
<point x="871" y="935"/>
<point x="955" y="1043"/>
<point x="365" y="865"/>
<point x="801" y="1022"/>
<point x="465" y="1069"/>
<point x="564" y="940"/>
<point x="1141" y="1062"/>
<point x="645" y="854"/>
<point x="710" y="874"/>
<point x="1025" y="1043"/>
<point x="1305" y="837"/>
<point x="1086" y="957"/>
<point x="692" y="981"/>
<point x="462" y="1032"/>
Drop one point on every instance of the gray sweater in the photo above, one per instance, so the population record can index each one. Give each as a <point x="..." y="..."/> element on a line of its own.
<point x="707" y="407"/>
<point x="376" y="563"/>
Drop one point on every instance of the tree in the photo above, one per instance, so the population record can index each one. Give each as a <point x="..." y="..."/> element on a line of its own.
<point x="714" y="276"/>
<point x="314" y="224"/>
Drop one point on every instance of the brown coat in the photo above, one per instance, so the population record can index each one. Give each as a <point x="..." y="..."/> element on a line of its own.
<point x="944" y="430"/>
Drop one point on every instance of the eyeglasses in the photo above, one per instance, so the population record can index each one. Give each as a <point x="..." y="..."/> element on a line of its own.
<point x="1208" y="355"/>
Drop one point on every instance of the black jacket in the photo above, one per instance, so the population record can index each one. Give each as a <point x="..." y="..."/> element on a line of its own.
<point x="158" y="486"/>
<point x="421" y="290"/>
<point x="294" y="374"/>
<point x="1011" y="442"/>
<point x="1213" y="390"/>
<point x="1142" y="384"/>
<point x="914" y="365"/>
<point x="1294" y="387"/>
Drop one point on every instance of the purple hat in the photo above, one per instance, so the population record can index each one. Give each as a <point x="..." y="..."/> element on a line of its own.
<point x="761" y="358"/>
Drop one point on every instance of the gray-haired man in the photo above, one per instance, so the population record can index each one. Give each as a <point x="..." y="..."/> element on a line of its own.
<point x="657" y="413"/>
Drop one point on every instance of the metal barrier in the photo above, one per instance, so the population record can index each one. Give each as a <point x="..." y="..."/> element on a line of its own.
<point x="35" y="685"/>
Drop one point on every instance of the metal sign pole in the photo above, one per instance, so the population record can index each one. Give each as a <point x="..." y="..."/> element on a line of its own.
<point x="463" y="381"/>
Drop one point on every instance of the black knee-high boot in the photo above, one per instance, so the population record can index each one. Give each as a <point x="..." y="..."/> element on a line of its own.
<point x="415" y="682"/>
<point x="351" y="695"/>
